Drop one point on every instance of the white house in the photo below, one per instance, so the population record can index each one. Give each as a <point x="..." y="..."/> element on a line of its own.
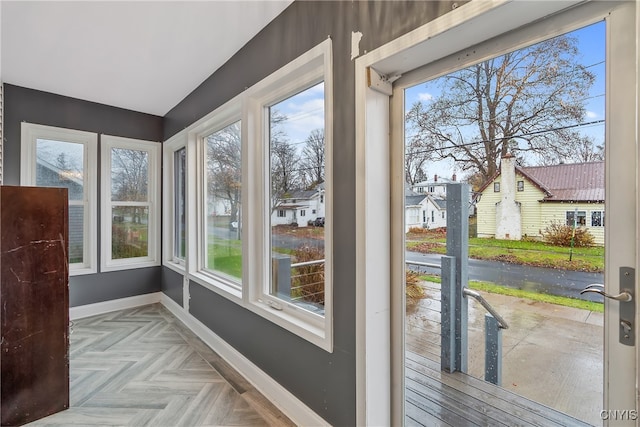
<point x="424" y="211"/>
<point x="437" y="187"/>
<point x="299" y="207"/>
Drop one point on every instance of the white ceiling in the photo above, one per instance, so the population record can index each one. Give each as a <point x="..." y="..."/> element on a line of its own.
<point x="140" y="55"/>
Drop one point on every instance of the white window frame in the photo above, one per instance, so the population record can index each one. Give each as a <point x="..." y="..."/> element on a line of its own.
<point x="30" y="133"/>
<point x="170" y="147"/>
<point x="307" y="70"/>
<point x="194" y="135"/>
<point x="601" y="212"/>
<point x="313" y="66"/>
<point x="153" y="149"/>
<point x="227" y="115"/>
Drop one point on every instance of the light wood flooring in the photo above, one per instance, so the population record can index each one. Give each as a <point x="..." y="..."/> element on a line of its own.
<point x="143" y="367"/>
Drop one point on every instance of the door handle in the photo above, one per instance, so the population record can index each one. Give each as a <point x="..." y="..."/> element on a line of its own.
<point x="627" y="304"/>
<point x="597" y="288"/>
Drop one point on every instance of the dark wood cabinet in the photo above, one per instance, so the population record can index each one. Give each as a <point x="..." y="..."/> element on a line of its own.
<point x="34" y="303"/>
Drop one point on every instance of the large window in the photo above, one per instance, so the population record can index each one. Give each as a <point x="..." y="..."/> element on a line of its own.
<point x="55" y="157"/>
<point x="261" y="165"/>
<point x="223" y="204"/>
<point x="130" y="177"/>
<point x="297" y="175"/>
<point x="293" y="126"/>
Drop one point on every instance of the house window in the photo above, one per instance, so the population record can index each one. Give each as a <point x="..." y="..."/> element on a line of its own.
<point x="281" y="213"/>
<point x="442" y="214"/>
<point x="431" y="189"/>
<point x="424" y="216"/>
<point x="293" y="284"/>
<point x="130" y="218"/>
<point x="175" y="203"/>
<point x="223" y="204"/>
<point x="577" y="218"/>
<point x="56" y="157"/>
<point x="313" y="212"/>
<point x="302" y="212"/>
<point x="520" y="186"/>
<point x="597" y="219"/>
<point x="433" y="216"/>
<point x="179" y="208"/>
<point x="496" y="187"/>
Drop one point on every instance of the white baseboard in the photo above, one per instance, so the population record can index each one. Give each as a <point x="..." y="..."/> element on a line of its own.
<point x="297" y="411"/>
<point x="114" y="305"/>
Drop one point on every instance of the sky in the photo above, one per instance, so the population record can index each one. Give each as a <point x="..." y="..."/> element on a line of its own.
<point x="591" y="45"/>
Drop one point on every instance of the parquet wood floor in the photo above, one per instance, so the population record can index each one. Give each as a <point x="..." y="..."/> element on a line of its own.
<point x="143" y="367"/>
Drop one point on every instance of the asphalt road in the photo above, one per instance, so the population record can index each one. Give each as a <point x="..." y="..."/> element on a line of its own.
<point x="546" y="280"/>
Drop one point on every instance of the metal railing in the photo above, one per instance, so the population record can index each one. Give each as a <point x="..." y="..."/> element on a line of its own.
<point x="303" y="277"/>
<point x="494" y="323"/>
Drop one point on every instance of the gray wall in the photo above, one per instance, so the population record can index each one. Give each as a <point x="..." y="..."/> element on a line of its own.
<point x="32" y="106"/>
<point x="326" y="382"/>
<point x="171" y="284"/>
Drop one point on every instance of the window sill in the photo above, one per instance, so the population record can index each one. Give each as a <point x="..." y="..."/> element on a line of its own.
<point x="217" y="286"/>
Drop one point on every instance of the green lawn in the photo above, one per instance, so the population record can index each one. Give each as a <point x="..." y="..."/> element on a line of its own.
<point x="225" y="256"/>
<point x="519" y="252"/>
<point x="519" y="293"/>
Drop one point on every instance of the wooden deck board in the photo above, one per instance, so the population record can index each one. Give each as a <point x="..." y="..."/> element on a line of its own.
<point x="434" y="392"/>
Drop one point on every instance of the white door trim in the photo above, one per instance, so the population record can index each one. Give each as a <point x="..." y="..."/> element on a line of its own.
<point x="378" y="318"/>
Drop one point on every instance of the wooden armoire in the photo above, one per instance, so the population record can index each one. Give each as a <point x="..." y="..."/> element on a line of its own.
<point x="34" y="303"/>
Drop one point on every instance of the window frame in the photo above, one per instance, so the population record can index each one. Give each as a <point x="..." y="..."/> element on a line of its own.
<point x="601" y="212"/>
<point x="108" y="142"/>
<point x="304" y="72"/>
<point x="496" y="186"/>
<point x="313" y="66"/>
<point x="170" y="148"/>
<point x="225" y="115"/>
<point x="520" y="185"/>
<point x="30" y="133"/>
<point x="223" y="119"/>
<point x="576" y="214"/>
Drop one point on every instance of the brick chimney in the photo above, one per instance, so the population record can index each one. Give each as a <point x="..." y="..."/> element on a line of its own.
<point x="453" y="177"/>
<point x="435" y="178"/>
<point x="508" y="219"/>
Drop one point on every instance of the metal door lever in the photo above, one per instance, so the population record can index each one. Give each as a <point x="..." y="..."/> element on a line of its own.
<point x="597" y="288"/>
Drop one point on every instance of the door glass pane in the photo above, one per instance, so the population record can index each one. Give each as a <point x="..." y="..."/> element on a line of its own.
<point x="129" y="175"/>
<point x="129" y="232"/>
<point x="60" y="164"/>
<point x="297" y="160"/>
<point x="224" y="202"/>
<point x="524" y="133"/>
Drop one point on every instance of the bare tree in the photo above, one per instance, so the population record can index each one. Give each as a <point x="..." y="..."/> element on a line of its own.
<point x="224" y="168"/>
<point x="312" y="159"/>
<point x="525" y="101"/>
<point x="416" y="155"/>
<point x="129" y="174"/>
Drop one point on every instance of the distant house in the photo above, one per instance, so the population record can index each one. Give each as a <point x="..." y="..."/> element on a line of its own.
<point x="523" y="201"/>
<point x="50" y="175"/>
<point x="298" y="207"/>
<point x="424" y="211"/>
<point x="437" y="187"/>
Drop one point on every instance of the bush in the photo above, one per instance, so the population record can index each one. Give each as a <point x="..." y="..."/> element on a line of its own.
<point x="559" y="234"/>
<point x="418" y="230"/>
<point x="413" y="291"/>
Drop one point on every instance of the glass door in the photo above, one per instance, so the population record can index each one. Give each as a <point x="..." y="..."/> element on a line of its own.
<point x="527" y="145"/>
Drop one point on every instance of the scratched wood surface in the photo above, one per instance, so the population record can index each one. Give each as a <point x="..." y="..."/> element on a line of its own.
<point x="143" y="367"/>
<point x="35" y="303"/>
